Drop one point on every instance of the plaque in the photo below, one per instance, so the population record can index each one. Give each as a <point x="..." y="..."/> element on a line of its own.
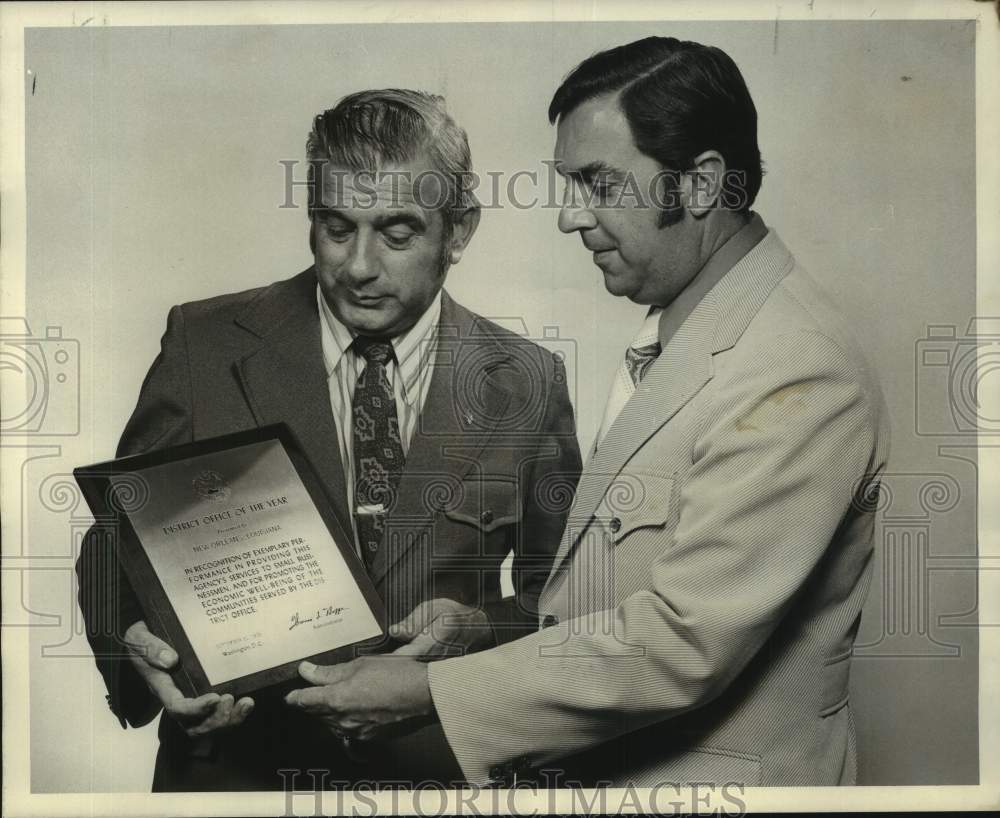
<point x="237" y="559"/>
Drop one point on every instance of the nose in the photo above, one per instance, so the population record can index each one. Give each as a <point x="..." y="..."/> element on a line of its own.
<point x="360" y="265"/>
<point x="574" y="215"/>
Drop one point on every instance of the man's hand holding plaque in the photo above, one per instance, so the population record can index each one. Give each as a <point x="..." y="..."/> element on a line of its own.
<point x="376" y="696"/>
<point x="442" y="627"/>
<point x="371" y="697"/>
<point x="153" y="659"/>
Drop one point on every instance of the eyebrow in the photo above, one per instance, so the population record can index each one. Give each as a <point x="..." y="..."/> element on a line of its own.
<point x="412" y="220"/>
<point x="593" y="170"/>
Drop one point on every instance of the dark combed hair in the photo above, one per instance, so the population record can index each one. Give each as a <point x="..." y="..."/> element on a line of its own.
<point x="680" y="98"/>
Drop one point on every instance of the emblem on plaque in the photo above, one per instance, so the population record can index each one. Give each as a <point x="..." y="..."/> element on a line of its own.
<point x="210" y="485"/>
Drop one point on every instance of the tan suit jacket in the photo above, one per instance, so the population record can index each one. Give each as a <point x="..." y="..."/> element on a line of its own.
<point x="700" y="615"/>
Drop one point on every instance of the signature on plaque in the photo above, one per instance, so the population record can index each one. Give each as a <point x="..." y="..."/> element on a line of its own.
<point x="319" y="615"/>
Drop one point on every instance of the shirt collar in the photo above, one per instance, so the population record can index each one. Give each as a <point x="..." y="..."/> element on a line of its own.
<point x="412" y="348"/>
<point x="649" y="331"/>
<point x="720" y="263"/>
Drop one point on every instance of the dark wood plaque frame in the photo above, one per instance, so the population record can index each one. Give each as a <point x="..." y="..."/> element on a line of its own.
<point x="161" y="619"/>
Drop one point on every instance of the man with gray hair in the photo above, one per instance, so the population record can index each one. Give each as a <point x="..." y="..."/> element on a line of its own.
<point x="419" y="417"/>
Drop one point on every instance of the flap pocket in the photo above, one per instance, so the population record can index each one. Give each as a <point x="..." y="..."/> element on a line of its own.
<point x="715" y="764"/>
<point x="708" y="765"/>
<point x="486" y="504"/>
<point x="635" y="501"/>
<point x="836" y="676"/>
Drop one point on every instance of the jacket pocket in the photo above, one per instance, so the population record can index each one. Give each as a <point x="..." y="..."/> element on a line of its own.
<point x="719" y="765"/>
<point x="486" y="504"/>
<point x="836" y="676"/>
<point x="637" y="501"/>
<point x="708" y="765"/>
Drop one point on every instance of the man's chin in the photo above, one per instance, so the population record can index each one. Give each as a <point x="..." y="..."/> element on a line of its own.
<point x="617" y="285"/>
<point x="367" y="320"/>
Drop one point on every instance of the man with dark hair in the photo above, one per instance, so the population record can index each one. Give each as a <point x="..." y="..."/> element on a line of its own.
<point x="677" y="97"/>
<point x="441" y="440"/>
<point x="698" y="622"/>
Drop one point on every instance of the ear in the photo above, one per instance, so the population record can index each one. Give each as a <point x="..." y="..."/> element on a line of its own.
<point x="312" y="235"/>
<point x="462" y="233"/>
<point x="702" y="184"/>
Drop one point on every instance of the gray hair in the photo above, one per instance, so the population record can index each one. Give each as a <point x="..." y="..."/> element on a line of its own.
<point x="368" y="130"/>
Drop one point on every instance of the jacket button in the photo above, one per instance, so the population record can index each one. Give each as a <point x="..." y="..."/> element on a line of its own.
<point x="616" y="525"/>
<point x="501" y="775"/>
<point x="486" y="517"/>
<point x="550" y="620"/>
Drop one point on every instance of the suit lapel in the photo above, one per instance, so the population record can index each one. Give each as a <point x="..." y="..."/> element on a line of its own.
<point x="681" y="371"/>
<point x="284" y="378"/>
<point x="454" y="427"/>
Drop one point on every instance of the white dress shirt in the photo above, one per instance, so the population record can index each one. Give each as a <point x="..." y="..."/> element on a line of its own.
<point x="622" y="387"/>
<point x="409" y="374"/>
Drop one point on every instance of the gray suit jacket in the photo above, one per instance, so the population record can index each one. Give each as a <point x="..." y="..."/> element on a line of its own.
<point x="491" y="466"/>
<point x="707" y="590"/>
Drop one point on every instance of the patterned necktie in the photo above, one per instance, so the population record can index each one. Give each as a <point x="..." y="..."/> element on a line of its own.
<point x="638" y="358"/>
<point x="378" y="449"/>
